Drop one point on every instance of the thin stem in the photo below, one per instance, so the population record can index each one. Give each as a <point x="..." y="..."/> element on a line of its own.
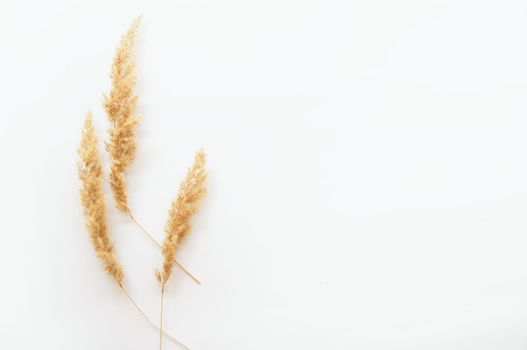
<point x="161" y="317"/>
<point x="190" y="274"/>
<point x="148" y="319"/>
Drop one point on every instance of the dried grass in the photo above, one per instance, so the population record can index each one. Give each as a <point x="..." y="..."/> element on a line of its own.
<point x="191" y="190"/>
<point x="120" y="108"/>
<point x="93" y="201"/>
<point x="120" y="105"/>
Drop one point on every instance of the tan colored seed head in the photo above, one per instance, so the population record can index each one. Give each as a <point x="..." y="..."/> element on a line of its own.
<point x="191" y="190"/>
<point x="120" y="108"/>
<point x="93" y="201"/>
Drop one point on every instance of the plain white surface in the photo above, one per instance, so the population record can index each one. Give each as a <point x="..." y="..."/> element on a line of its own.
<point x="368" y="173"/>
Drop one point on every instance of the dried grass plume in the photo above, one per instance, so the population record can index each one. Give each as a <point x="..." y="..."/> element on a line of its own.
<point x="93" y="201"/>
<point x="191" y="190"/>
<point x="120" y="109"/>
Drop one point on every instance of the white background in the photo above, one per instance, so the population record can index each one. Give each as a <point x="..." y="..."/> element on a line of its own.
<point x="368" y="173"/>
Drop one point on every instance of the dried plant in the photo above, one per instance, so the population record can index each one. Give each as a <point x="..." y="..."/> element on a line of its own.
<point x="191" y="190"/>
<point x="93" y="201"/>
<point x="120" y="109"/>
<point x="120" y="105"/>
<point x="94" y="205"/>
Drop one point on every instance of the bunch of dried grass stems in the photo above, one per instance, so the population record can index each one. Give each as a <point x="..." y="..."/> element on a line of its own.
<point x="119" y="105"/>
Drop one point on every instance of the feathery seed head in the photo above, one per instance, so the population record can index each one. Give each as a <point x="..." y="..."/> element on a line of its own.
<point x="191" y="190"/>
<point x="93" y="201"/>
<point x="120" y="109"/>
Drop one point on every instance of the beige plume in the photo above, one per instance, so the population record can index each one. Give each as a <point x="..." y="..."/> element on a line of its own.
<point x="93" y="201"/>
<point x="191" y="190"/>
<point x="120" y="109"/>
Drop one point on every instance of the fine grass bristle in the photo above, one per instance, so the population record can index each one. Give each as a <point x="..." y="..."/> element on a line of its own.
<point x="120" y="105"/>
<point x="93" y="201"/>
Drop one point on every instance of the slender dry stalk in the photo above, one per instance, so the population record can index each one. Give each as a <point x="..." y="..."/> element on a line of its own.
<point x="140" y="310"/>
<point x="191" y="190"/>
<point x="93" y="201"/>
<point x="120" y="109"/>
<point x="161" y="318"/>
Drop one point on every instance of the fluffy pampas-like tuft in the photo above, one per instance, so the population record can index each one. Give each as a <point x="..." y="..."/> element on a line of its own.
<point x="93" y="201"/>
<point x="120" y="109"/>
<point x="191" y="190"/>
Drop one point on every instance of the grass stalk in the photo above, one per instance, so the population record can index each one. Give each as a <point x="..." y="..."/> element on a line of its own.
<point x="140" y="310"/>
<point x="181" y="266"/>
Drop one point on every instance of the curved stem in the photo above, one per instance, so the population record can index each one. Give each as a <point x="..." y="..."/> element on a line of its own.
<point x="159" y="245"/>
<point x="138" y="308"/>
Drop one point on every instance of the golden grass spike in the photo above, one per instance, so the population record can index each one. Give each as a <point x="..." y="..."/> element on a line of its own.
<point x="93" y="201"/>
<point x="191" y="190"/>
<point x="120" y="109"/>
